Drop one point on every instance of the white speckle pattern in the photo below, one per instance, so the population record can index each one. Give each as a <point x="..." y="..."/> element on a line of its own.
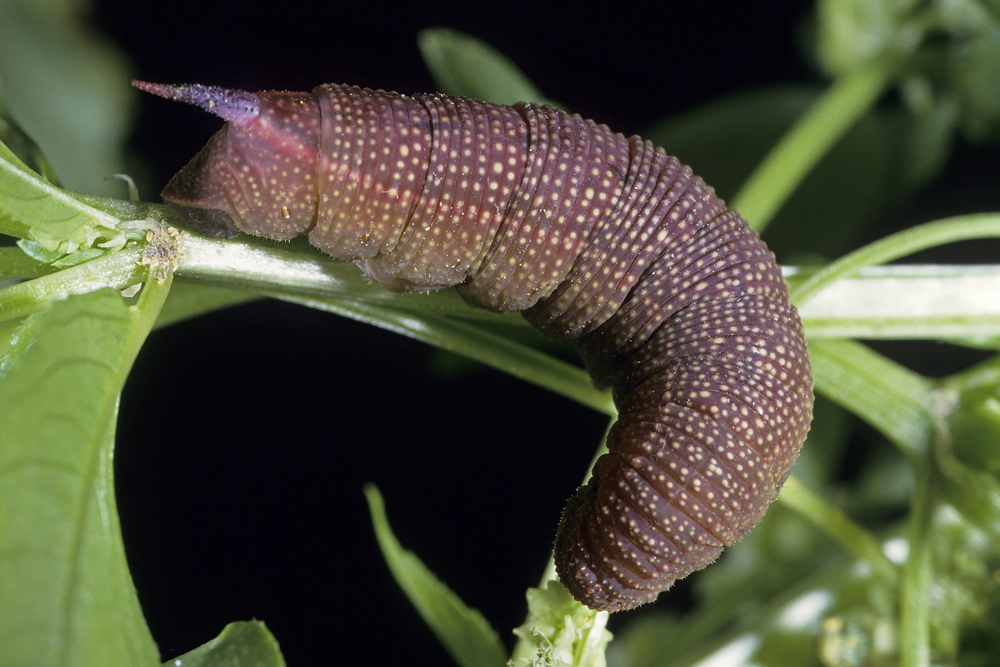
<point x="675" y="303"/>
<point x="228" y="188"/>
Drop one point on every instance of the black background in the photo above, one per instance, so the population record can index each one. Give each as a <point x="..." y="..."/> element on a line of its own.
<point x="246" y="435"/>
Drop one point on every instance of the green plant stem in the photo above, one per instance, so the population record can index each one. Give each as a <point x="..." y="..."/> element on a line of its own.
<point x="290" y="269"/>
<point x="524" y="648"/>
<point x="907" y="301"/>
<point x="151" y="300"/>
<point x="117" y="269"/>
<point x="921" y="237"/>
<point x="474" y="342"/>
<point x="809" y="140"/>
<point x="914" y="618"/>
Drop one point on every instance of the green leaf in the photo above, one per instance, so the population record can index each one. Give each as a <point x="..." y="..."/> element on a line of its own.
<point x="38" y="252"/>
<point x="67" y="86"/>
<point x="891" y="398"/>
<point x="56" y="219"/>
<point x="67" y="595"/>
<point x="241" y="644"/>
<point x="852" y="33"/>
<point x="462" y="630"/>
<point x="14" y="137"/>
<point x="468" y="67"/>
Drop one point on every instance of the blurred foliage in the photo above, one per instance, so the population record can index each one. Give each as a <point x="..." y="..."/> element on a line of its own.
<point x="923" y="489"/>
<point x="63" y="83"/>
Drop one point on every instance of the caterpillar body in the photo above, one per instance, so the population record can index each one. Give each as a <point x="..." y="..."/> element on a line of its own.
<point x="602" y="240"/>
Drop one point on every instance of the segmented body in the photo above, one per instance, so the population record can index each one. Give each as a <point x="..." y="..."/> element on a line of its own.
<point x="602" y="240"/>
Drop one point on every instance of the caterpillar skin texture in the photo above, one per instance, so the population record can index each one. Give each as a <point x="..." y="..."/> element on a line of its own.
<point x="602" y="240"/>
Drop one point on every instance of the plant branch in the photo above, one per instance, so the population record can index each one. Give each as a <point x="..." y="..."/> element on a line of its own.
<point x="792" y="158"/>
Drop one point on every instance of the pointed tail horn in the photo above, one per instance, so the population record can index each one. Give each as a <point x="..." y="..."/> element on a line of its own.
<point x="237" y="106"/>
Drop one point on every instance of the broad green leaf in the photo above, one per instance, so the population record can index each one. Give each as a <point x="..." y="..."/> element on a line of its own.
<point x="67" y="595"/>
<point x="241" y="644"/>
<point x="462" y="630"/>
<point x="56" y="219"/>
<point x="468" y="67"/>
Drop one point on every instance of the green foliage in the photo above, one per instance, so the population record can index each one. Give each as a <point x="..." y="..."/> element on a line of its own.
<point x="463" y="65"/>
<point x="64" y="83"/>
<point x="463" y="631"/>
<point x="242" y="644"/>
<point x="68" y="597"/>
<point x="558" y="631"/>
<point x="831" y="577"/>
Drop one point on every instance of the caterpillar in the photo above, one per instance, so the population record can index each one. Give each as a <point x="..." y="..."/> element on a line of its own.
<point x="601" y="240"/>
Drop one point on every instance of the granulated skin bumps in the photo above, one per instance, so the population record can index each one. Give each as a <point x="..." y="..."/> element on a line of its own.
<point x="602" y="240"/>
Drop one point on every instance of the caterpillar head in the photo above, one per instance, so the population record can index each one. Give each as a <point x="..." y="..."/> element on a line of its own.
<point x="258" y="173"/>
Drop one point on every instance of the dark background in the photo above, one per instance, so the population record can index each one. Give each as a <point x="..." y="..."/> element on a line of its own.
<point x="246" y="436"/>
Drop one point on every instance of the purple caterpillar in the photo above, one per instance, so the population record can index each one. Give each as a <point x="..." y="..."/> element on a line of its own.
<point x="602" y="240"/>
